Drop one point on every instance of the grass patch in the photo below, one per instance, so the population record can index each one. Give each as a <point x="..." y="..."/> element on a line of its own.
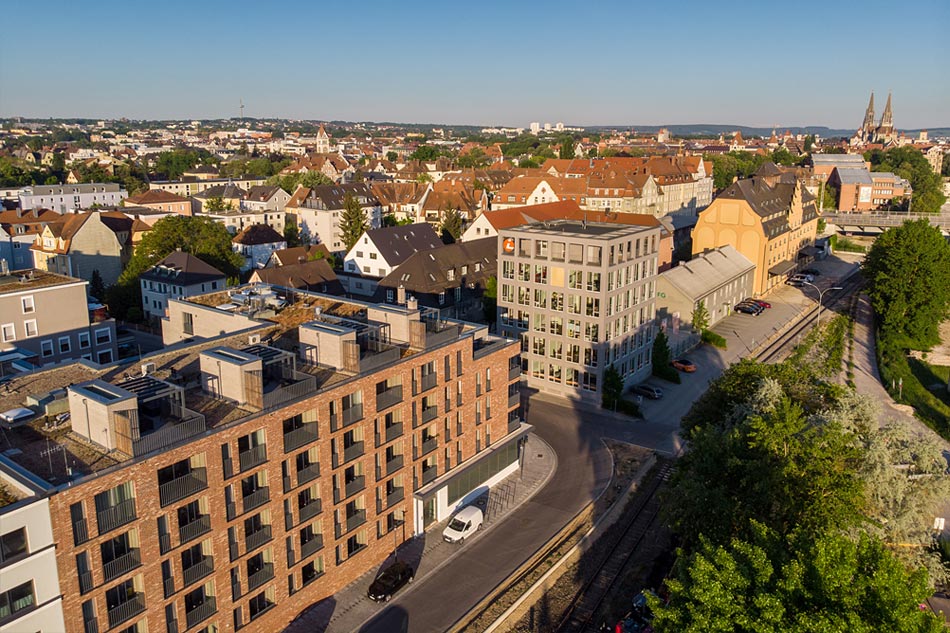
<point x="895" y="366"/>
<point x="713" y="339"/>
<point x="839" y="243"/>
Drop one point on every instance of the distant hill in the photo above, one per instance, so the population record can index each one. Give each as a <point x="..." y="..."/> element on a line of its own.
<point x="715" y="129"/>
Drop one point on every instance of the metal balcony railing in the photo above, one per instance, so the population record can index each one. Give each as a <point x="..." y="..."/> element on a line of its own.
<point x="169" y="586"/>
<point x="80" y="532"/>
<point x="127" y="610"/>
<point x="311" y="510"/>
<point x="255" y="539"/>
<point x="348" y="417"/>
<point x="197" y="571"/>
<point x="308" y="473"/>
<point x="351" y="523"/>
<point x="514" y="400"/>
<point x="181" y="487"/>
<point x="300" y="436"/>
<point x="257" y="498"/>
<point x="189" y="531"/>
<point x="429" y="475"/>
<point x="91" y="626"/>
<point x="390" y="466"/>
<point x="428" y="446"/>
<point x="252" y="457"/>
<point x="164" y="542"/>
<point x="388" y="398"/>
<point x="350" y="488"/>
<point x="115" y="516"/>
<point x="430" y="413"/>
<point x="118" y="566"/>
<point x="395" y="497"/>
<point x="261" y="576"/>
<point x="312" y="546"/>
<point x="513" y="425"/>
<point x="85" y="582"/>
<point x="391" y="433"/>
<point x="514" y="373"/>
<point x="429" y="381"/>
<point x="202" y="612"/>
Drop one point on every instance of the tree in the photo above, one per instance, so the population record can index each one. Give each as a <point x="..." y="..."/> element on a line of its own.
<point x="176" y="162"/>
<point x="199" y="235"/>
<point x="292" y="232"/>
<point x="910" y="163"/>
<point x="425" y="153"/>
<point x="612" y="389"/>
<point x="97" y="287"/>
<point x="567" y="147"/>
<point x="908" y="273"/>
<point x="822" y="225"/>
<point x="215" y="204"/>
<point x="475" y="158"/>
<point x="700" y="318"/>
<point x="392" y="156"/>
<point x="451" y="225"/>
<point x="662" y="358"/>
<point x="490" y="300"/>
<point x="290" y="182"/>
<point x="352" y="221"/>
<point x="945" y="171"/>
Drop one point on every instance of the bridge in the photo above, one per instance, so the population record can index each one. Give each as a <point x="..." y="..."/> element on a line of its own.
<point x="881" y="220"/>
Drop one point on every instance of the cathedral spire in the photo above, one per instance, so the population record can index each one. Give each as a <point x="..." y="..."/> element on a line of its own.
<point x="887" y="119"/>
<point x="869" y="116"/>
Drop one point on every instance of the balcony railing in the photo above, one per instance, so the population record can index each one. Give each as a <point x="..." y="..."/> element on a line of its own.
<point x="350" y="488"/>
<point x="197" y="571"/>
<point x="257" y="498"/>
<point x="231" y="509"/>
<point x="118" y="566"/>
<point x="351" y="452"/>
<point x="305" y="385"/>
<point x="388" y="398"/>
<point x="428" y="446"/>
<point x="312" y="546"/>
<point x="164" y="542"/>
<point x="117" y="515"/>
<point x="300" y="436"/>
<point x="391" y="433"/>
<point x="348" y="417"/>
<point x="389" y="467"/>
<point x="429" y="475"/>
<point x="308" y="473"/>
<point x="171" y="433"/>
<point x="189" y="531"/>
<point x="429" y="381"/>
<point x="202" y="612"/>
<point x="85" y="582"/>
<point x="430" y="413"/>
<point x="127" y="610"/>
<point x="181" y="487"/>
<point x="513" y="425"/>
<point x="252" y="457"/>
<point x="261" y="576"/>
<point x="91" y="625"/>
<point x="514" y="373"/>
<point x="80" y="532"/>
<point x="255" y="539"/>
<point x="514" y="400"/>
<point x="351" y="523"/>
<point x="311" y="510"/>
<point x="169" y="586"/>
<point x="391" y="499"/>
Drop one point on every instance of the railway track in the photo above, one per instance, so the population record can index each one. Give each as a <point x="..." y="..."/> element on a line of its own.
<point x="780" y="348"/>
<point x="586" y="602"/>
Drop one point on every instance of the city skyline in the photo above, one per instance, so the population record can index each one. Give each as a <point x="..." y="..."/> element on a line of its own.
<point x="442" y="65"/>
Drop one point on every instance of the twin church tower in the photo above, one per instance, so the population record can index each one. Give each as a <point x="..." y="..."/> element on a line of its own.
<point x="883" y="132"/>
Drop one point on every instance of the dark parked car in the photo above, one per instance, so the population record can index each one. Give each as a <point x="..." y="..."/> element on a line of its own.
<point x="651" y="392"/>
<point x="758" y="302"/>
<point x="684" y="364"/>
<point x="814" y="272"/>
<point x="748" y="308"/>
<point x="389" y="581"/>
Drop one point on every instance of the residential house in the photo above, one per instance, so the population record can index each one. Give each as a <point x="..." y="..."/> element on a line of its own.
<point x="379" y="251"/>
<point x="451" y="278"/>
<point x="82" y="243"/>
<point x="319" y="209"/>
<point x="161" y="200"/>
<point x="256" y="243"/>
<point x="230" y="195"/>
<point x="403" y="200"/>
<point x="192" y="186"/>
<point x="45" y="319"/>
<point x="334" y="166"/>
<point x="453" y="194"/>
<point x="772" y="223"/>
<point x="265" y="198"/>
<point x="18" y="231"/>
<point x="719" y="278"/>
<point x="236" y="220"/>
<point x="71" y="198"/>
<point x="178" y="275"/>
<point x="315" y="275"/>
<point x="296" y="255"/>
<point x="860" y="190"/>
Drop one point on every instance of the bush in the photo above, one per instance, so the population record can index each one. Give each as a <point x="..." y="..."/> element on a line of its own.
<point x="895" y="367"/>
<point x="713" y="339"/>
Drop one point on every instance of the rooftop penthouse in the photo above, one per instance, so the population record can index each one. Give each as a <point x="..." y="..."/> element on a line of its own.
<point x="269" y="347"/>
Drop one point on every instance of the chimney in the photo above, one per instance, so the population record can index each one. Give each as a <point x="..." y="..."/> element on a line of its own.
<point x="401" y="295"/>
<point x="412" y="304"/>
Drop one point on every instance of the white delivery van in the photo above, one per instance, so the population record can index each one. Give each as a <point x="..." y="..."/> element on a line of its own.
<point x="463" y="524"/>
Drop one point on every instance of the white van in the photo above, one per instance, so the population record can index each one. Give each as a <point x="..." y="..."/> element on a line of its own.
<point x="463" y="524"/>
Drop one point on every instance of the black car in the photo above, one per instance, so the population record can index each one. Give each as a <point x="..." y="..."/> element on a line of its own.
<point x="389" y="581"/>
<point x="748" y="308"/>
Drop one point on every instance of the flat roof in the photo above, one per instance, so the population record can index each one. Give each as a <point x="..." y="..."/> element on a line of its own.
<point x="581" y="228"/>
<point x="32" y="279"/>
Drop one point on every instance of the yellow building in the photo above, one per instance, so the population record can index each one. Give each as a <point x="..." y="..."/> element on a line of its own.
<point x="772" y="220"/>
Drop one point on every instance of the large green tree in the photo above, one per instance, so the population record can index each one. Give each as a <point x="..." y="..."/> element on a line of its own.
<point x="910" y="163"/>
<point x="425" y="153"/>
<point x="452" y="224"/>
<point x="176" y="162"/>
<point x="289" y="182"/>
<point x="908" y="274"/>
<point x="352" y="221"/>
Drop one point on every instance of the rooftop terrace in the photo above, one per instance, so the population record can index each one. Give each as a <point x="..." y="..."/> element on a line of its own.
<point x="23" y="280"/>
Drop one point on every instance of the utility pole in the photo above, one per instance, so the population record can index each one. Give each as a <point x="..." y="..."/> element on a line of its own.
<point x="820" y="295"/>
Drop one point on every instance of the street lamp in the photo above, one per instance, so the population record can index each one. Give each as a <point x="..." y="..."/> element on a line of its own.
<point x="820" y="295"/>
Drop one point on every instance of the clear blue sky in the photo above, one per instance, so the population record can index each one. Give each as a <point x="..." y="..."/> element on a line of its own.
<point x="758" y="62"/>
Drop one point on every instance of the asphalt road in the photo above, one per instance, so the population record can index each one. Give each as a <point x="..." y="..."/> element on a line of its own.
<point x="443" y="596"/>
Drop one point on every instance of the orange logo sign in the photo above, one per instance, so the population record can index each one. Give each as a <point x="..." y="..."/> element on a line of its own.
<point x="509" y="245"/>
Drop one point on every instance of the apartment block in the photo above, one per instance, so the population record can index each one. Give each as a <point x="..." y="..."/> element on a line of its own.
<point x="45" y="319"/>
<point x="230" y="483"/>
<point x="71" y="198"/>
<point x="580" y="296"/>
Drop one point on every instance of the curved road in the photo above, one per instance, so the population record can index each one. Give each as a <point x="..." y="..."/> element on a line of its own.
<point x="441" y="598"/>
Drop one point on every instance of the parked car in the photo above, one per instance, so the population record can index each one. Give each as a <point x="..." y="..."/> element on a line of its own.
<point x="465" y="523"/>
<point x="748" y="308"/>
<point x="814" y="272"/>
<point x="752" y="304"/>
<point x="758" y="302"/>
<point x="793" y="281"/>
<point x="684" y="364"/>
<point x="650" y="391"/>
<point x="389" y="581"/>
<point x="803" y="277"/>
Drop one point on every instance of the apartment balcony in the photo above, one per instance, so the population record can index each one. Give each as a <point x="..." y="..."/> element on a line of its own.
<point x="391" y="499"/>
<point x="312" y="546"/>
<point x="429" y="474"/>
<point x="514" y="373"/>
<point x="351" y="523"/>
<point x="389" y="467"/>
<point x="514" y="425"/>
<point x="255" y="539"/>
<point x="391" y="433"/>
<point x="350" y="489"/>
<point x="346" y="418"/>
<point x="202" y="612"/>
<point x="121" y="565"/>
<point x="388" y="398"/>
<point x="429" y="381"/>
<point x="351" y="452"/>
<point x="311" y="510"/>
<point x="91" y="626"/>
<point x="188" y="424"/>
<point x="261" y="576"/>
<point x="197" y="571"/>
<point x="86" y="582"/>
<point x="308" y="473"/>
<point x="189" y="531"/>
<point x="430" y="413"/>
<point x="514" y="400"/>
<point x="252" y="457"/>
<point x="256" y="499"/>
<point x="300" y="436"/>
<point x="184" y="486"/>
<point x="428" y="446"/>
<point x="80" y="532"/>
<point x="115" y="516"/>
<point x="127" y="610"/>
<point x="164" y="542"/>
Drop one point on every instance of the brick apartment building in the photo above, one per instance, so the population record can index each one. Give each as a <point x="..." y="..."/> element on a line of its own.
<point x="230" y="482"/>
<point x="581" y="297"/>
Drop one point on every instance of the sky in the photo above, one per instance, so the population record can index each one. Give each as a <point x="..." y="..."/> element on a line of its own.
<point x="601" y="62"/>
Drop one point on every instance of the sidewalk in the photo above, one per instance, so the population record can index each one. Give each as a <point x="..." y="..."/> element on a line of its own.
<point x="350" y="608"/>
